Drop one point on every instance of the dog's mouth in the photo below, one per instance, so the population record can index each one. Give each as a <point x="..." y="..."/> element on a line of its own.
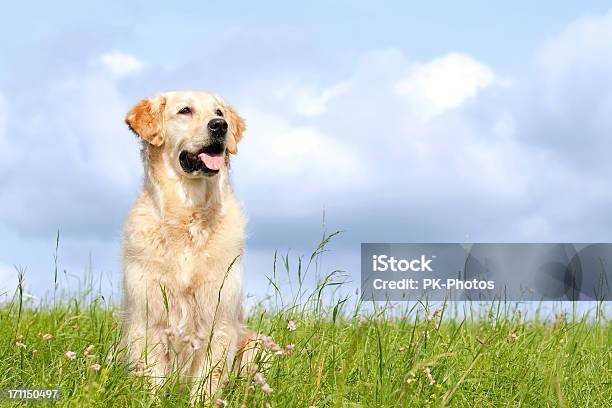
<point x="207" y="160"/>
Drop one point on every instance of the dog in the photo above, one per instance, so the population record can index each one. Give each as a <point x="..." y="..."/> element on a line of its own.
<point x="183" y="244"/>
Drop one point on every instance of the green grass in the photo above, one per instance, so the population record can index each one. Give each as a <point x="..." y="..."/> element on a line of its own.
<point x="344" y="356"/>
<point x="371" y="362"/>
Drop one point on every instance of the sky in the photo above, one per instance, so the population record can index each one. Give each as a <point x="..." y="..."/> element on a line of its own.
<point x="429" y="122"/>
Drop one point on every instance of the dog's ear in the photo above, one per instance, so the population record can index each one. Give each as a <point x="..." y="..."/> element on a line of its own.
<point x="236" y="128"/>
<point x="146" y="119"/>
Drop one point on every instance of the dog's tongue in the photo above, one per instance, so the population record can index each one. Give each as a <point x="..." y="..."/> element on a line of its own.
<point x="213" y="161"/>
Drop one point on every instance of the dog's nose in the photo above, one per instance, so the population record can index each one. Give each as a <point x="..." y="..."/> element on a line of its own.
<point x="217" y="127"/>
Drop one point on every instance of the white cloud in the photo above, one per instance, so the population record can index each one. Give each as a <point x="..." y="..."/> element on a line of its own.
<point x="294" y="150"/>
<point x="84" y="162"/>
<point x="297" y="166"/>
<point x="444" y="83"/>
<point x="566" y="101"/>
<point x="309" y="102"/>
<point x="502" y="167"/>
<point x="585" y="40"/>
<point x="120" y="64"/>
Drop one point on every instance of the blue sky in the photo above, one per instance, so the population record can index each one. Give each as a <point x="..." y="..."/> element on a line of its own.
<point x="453" y="121"/>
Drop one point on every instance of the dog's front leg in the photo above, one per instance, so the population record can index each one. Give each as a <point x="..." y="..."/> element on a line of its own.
<point x="212" y="362"/>
<point x="148" y="354"/>
<point x="144" y="335"/>
<point x="250" y="353"/>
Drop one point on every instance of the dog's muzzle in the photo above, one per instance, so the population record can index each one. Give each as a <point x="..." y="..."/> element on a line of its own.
<point x="209" y="159"/>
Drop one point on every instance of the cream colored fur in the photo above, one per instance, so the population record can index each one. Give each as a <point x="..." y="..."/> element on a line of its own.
<point x="182" y="250"/>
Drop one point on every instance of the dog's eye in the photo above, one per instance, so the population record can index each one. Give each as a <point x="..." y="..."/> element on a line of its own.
<point x="219" y="113"/>
<point x="185" y="111"/>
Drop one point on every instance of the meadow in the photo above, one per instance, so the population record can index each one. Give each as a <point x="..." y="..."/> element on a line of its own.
<point x="329" y="350"/>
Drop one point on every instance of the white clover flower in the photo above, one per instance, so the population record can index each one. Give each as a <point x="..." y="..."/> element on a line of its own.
<point x="221" y="402"/>
<point x="269" y="344"/>
<point x="47" y="337"/>
<point x="430" y="378"/>
<point x="95" y="367"/>
<point x="88" y="350"/>
<point x="291" y="326"/>
<point x="267" y="389"/>
<point x="70" y="355"/>
<point x="20" y="345"/>
<point x="259" y="379"/>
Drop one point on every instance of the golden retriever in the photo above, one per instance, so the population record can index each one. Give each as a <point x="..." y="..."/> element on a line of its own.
<point x="183" y="244"/>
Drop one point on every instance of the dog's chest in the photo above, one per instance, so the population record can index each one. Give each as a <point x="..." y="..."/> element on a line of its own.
<point x="187" y="252"/>
<point x="187" y="256"/>
<point x="196" y="252"/>
<point x="197" y="272"/>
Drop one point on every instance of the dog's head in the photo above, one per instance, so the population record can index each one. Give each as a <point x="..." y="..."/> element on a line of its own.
<point x="196" y="131"/>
